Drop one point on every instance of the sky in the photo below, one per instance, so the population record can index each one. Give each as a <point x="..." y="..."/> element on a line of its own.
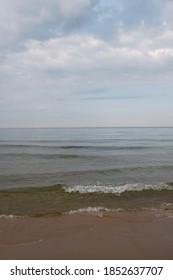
<point x="82" y="63"/>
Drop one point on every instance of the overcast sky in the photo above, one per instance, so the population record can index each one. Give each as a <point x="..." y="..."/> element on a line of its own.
<point x="86" y="63"/>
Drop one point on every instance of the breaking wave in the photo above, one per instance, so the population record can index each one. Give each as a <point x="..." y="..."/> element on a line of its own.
<point x="117" y="189"/>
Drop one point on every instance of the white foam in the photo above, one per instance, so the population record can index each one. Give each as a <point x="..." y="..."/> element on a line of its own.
<point x="9" y="216"/>
<point x="116" y="189"/>
<point x="94" y="210"/>
<point x="167" y="204"/>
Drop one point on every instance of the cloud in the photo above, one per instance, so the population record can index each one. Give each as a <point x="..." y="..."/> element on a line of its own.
<point x="141" y="50"/>
<point x="58" y="53"/>
<point x="39" y="19"/>
<point x="45" y="19"/>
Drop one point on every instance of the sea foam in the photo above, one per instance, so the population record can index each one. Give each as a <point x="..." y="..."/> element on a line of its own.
<point x="116" y="189"/>
<point x="97" y="210"/>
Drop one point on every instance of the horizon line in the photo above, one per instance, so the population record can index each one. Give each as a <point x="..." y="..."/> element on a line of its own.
<point x="75" y="127"/>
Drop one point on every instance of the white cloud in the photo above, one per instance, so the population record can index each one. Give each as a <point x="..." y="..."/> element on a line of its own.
<point x="78" y="54"/>
<point x="161" y="53"/>
<point x="62" y="53"/>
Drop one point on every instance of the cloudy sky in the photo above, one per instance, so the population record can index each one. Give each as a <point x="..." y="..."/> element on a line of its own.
<point x="86" y="63"/>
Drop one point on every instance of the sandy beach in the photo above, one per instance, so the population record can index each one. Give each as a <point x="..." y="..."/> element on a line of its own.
<point x="122" y="235"/>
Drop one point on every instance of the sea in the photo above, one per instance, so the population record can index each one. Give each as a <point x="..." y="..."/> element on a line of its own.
<point x="54" y="171"/>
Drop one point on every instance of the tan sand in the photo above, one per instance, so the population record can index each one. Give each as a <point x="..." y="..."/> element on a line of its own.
<point x="121" y="235"/>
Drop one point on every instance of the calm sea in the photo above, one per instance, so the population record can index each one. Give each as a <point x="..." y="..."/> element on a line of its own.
<point x="55" y="171"/>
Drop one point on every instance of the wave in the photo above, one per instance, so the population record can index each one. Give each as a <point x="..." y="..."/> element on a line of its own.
<point x="94" y="210"/>
<point x="55" y="200"/>
<point x="78" y="147"/>
<point x="11" y="216"/>
<point x="40" y="156"/>
<point x="94" y="188"/>
<point x="114" y="189"/>
<point x="105" y="147"/>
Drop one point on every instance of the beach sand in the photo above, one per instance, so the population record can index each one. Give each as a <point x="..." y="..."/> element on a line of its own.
<point x="103" y="235"/>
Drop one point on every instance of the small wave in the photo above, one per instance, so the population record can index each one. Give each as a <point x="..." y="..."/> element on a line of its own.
<point x="94" y="210"/>
<point x="11" y="216"/>
<point x="106" y="148"/>
<point x="39" y="156"/>
<point x="116" y="189"/>
<point x="167" y="206"/>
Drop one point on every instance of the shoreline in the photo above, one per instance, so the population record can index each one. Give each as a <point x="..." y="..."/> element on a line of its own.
<point x="130" y="235"/>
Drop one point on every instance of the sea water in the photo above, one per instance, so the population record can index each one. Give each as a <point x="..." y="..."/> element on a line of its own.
<point x="58" y="170"/>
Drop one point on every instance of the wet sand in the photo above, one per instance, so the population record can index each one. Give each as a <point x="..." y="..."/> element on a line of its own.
<point x="120" y="235"/>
